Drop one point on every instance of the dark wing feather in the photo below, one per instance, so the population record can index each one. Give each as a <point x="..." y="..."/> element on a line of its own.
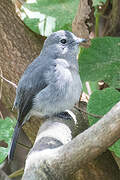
<point x="26" y="104"/>
<point x="29" y="85"/>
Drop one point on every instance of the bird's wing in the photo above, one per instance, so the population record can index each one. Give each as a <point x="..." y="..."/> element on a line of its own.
<point x="29" y="85"/>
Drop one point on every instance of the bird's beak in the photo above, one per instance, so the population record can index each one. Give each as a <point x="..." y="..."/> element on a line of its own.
<point x="81" y="40"/>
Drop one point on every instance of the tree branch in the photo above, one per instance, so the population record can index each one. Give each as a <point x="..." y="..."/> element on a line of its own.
<point x="66" y="156"/>
<point x="3" y="176"/>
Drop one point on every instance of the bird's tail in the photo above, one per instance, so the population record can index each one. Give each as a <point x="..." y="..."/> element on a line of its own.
<point x="14" y="141"/>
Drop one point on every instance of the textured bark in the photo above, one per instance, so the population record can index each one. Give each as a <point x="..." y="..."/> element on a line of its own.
<point x="3" y="176"/>
<point x="79" y="25"/>
<point x="18" y="47"/>
<point x="112" y="26"/>
<point x="102" y="168"/>
<point x="61" y="163"/>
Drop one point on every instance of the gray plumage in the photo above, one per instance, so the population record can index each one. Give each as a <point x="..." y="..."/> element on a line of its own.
<point x="51" y="83"/>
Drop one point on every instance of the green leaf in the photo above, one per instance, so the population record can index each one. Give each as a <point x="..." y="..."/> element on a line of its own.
<point x="6" y="132"/>
<point x="116" y="148"/>
<point x="101" y="61"/>
<point x="100" y="103"/>
<point x="98" y="2"/>
<point x="45" y="16"/>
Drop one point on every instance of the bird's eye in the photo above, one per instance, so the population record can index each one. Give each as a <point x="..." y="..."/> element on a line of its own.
<point x="63" y="41"/>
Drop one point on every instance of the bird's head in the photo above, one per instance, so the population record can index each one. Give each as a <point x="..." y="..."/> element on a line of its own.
<point x="63" y="44"/>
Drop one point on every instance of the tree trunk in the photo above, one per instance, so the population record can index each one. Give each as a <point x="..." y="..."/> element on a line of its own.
<point x="18" y="47"/>
<point x="112" y="26"/>
<point x="55" y="155"/>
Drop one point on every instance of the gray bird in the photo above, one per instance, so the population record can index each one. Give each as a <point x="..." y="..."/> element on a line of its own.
<point x="51" y="83"/>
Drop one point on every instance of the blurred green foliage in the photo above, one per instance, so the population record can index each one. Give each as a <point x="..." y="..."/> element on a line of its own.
<point x="45" y="17"/>
<point x="6" y="132"/>
<point x="101" y="61"/>
<point x="98" y="2"/>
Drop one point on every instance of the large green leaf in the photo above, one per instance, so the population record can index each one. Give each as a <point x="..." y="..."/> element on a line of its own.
<point x="45" y="16"/>
<point x="6" y="131"/>
<point x="101" y="61"/>
<point x="100" y="103"/>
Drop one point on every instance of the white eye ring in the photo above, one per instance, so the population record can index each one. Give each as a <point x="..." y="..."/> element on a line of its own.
<point x="63" y="41"/>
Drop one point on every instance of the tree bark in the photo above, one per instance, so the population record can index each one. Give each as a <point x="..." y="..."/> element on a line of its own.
<point x="18" y="48"/>
<point x="83" y="22"/>
<point x="112" y="26"/>
<point x="62" y="161"/>
<point x="3" y="176"/>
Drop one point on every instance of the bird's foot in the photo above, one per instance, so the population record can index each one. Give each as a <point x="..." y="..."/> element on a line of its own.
<point x="64" y="115"/>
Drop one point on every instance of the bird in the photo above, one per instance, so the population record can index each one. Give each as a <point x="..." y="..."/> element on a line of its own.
<point x="51" y="83"/>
